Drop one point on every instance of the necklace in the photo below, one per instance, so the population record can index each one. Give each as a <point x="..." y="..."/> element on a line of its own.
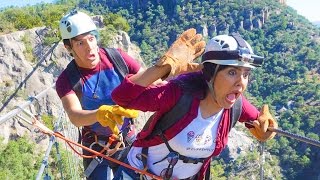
<point x="84" y="79"/>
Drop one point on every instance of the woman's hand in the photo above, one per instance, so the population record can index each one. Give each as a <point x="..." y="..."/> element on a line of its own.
<point x="265" y="120"/>
<point x="182" y="52"/>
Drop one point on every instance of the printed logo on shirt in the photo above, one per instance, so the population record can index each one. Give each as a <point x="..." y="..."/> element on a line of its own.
<point x="200" y="139"/>
<point x="190" y="135"/>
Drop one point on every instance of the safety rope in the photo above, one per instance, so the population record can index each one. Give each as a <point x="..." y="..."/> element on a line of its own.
<point x="48" y="131"/>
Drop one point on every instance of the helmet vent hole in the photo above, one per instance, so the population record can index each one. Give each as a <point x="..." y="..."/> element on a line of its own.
<point x="69" y="29"/>
<point x="225" y="46"/>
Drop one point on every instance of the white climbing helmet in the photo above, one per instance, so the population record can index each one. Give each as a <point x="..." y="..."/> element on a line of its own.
<point x="75" y="23"/>
<point x="232" y="51"/>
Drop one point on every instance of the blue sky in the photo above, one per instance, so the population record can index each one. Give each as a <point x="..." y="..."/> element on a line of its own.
<point x="308" y="8"/>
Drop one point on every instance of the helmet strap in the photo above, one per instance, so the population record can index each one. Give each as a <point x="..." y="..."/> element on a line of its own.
<point x="71" y="51"/>
<point x="211" y="82"/>
<point x="240" y="40"/>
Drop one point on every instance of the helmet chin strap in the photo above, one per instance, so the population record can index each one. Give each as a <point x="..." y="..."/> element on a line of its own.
<point x="210" y="84"/>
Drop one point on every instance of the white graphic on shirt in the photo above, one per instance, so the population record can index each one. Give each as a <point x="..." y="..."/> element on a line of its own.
<point x="202" y="139"/>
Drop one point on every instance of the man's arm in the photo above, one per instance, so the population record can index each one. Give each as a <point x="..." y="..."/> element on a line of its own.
<point x="77" y="115"/>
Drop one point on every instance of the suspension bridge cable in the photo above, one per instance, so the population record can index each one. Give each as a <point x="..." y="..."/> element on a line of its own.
<point x="295" y="136"/>
<point x="45" y="159"/>
<point x="291" y="135"/>
<point x="49" y="148"/>
<point x="50" y="51"/>
<point x="20" y="108"/>
<point x="262" y="159"/>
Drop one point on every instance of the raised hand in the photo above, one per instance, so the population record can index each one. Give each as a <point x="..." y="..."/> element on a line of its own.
<point x="182" y="52"/>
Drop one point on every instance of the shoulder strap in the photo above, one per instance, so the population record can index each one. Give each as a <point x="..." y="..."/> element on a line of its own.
<point x="116" y="59"/>
<point x="172" y="116"/>
<point x="74" y="77"/>
<point x="235" y="112"/>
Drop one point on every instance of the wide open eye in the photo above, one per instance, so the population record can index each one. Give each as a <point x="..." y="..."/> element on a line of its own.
<point x="232" y="72"/>
<point x="246" y="74"/>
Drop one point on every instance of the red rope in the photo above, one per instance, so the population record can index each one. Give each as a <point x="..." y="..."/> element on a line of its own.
<point x="69" y="142"/>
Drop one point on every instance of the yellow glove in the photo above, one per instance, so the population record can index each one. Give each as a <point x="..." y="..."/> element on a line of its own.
<point x="265" y="120"/>
<point x="182" y="52"/>
<point x="111" y="115"/>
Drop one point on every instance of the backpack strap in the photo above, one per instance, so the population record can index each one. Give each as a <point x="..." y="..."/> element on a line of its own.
<point x="118" y="62"/>
<point x="74" y="77"/>
<point x="181" y="108"/>
<point x="172" y="116"/>
<point x="235" y="112"/>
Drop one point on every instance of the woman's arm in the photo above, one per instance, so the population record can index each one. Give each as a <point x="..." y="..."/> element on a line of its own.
<point x="150" y="75"/>
<point x="177" y="60"/>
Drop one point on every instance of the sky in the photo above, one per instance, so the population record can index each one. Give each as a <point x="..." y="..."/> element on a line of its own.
<point x="6" y="3"/>
<point x="307" y="8"/>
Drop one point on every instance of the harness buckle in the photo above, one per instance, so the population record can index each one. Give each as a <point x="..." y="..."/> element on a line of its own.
<point x="93" y="164"/>
<point x="190" y="160"/>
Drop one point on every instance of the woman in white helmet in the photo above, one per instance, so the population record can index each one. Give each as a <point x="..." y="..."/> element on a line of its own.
<point x="184" y="150"/>
<point x="85" y="88"/>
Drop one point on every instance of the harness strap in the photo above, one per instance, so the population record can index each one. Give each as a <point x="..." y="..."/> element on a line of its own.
<point x="93" y="164"/>
<point x="235" y="112"/>
<point x="118" y="62"/>
<point x="144" y="155"/>
<point x="185" y="159"/>
<point x="143" y="158"/>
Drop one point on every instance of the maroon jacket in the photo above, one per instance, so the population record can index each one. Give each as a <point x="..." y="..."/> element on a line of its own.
<point x="161" y="99"/>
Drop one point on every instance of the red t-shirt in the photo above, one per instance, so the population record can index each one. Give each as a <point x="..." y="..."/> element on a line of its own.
<point x="63" y="86"/>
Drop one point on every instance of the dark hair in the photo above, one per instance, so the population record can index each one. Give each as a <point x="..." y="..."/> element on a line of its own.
<point x="196" y="83"/>
<point x="193" y="83"/>
<point x="209" y="70"/>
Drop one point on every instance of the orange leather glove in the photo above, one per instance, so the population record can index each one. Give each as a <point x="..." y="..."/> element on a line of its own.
<point x="265" y="120"/>
<point x="182" y="52"/>
<point x="111" y="115"/>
